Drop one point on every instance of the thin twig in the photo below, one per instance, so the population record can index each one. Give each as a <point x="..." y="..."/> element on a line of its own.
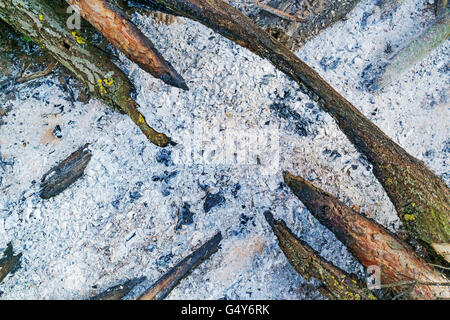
<point x="438" y="266"/>
<point x="25" y="78"/>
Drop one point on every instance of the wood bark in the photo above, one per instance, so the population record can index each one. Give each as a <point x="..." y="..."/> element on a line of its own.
<point x="124" y="35"/>
<point x="119" y="291"/>
<point x="372" y="244"/>
<point x="161" y="288"/>
<point x="37" y="20"/>
<point x="8" y="262"/>
<point x="62" y="176"/>
<point x="421" y="199"/>
<point x="336" y="283"/>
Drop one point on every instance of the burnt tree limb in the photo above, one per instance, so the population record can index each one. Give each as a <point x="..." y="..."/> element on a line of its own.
<point x="164" y="285"/>
<point x="62" y="176"/>
<point x="9" y="262"/>
<point x="40" y="22"/>
<point x="119" y="291"/>
<point x="336" y="283"/>
<point x="372" y="244"/>
<point x="123" y="34"/>
<point x="420" y="197"/>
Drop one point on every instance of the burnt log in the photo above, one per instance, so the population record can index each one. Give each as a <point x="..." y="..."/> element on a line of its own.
<point x="164" y="285"/>
<point x="402" y="271"/>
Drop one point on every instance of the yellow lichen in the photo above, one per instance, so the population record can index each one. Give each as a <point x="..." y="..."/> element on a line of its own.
<point x="141" y="119"/>
<point x="108" y="82"/>
<point x="80" y="39"/>
<point x="101" y="87"/>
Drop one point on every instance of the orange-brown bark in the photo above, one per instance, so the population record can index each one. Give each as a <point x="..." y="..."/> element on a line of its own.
<point x="371" y="243"/>
<point x="123" y="34"/>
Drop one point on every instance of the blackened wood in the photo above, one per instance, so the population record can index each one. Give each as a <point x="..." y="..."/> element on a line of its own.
<point x="161" y="288"/>
<point x="119" y="291"/>
<point x="317" y="16"/>
<point x="9" y="262"/>
<point x="65" y="173"/>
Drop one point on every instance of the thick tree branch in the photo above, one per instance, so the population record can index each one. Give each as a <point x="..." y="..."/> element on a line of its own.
<point x="402" y="60"/>
<point x="336" y="283"/>
<point x="371" y="243"/>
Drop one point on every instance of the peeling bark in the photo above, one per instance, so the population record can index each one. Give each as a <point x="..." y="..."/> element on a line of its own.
<point x="419" y="196"/>
<point x="336" y="283"/>
<point x="372" y="244"/>
<point x="124" y="35"/>
<point x="104" y="80"/>
<point x="161" y="288"/>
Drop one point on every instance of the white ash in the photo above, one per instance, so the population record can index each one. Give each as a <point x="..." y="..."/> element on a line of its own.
<point x="119" y="221"/>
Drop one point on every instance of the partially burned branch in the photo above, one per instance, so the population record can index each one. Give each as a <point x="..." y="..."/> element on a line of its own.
<point x="65" y="173"/>
<point x="161" y="288"/>
<point x="37" y="20"/>
<point x="336" y="283"/>
<point x="119" y="291"/>
<point x="419" y="196"/>
<point x="372" y="244"/>
<point x="123" y="34"/>
<point x="9" y="262"/>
